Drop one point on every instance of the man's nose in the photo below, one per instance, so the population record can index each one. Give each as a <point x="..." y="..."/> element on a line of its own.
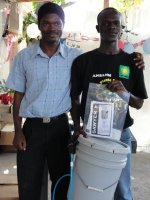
<point x="52" y="26"/>
<point x="112" y="25"/>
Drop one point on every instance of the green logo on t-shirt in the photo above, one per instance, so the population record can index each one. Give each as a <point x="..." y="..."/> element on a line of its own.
<point x="124" y="71"/>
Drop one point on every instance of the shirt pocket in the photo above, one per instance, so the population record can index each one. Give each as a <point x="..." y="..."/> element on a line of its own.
<point x="37" y="74"/>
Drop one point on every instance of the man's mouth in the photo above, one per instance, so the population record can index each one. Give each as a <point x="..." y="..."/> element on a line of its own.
<point x="51" y="34"/>
<point x="112" y="33"/>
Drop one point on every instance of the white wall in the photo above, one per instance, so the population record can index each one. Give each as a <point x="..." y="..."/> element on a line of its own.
<point x="4" y="68"/>
<point x="141" y="128"/>
<point x="138" y="22"/>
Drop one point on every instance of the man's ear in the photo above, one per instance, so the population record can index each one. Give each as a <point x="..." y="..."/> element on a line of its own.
<point x="39" y="26"/>
<point x="97" y="28"/>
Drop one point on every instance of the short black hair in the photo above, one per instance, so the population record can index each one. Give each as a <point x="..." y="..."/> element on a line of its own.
<point x="50" y="7"/>
<point x="111" y="10"/>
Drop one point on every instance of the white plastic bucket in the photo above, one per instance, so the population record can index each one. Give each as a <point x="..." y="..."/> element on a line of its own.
<point x="98" y="166"/>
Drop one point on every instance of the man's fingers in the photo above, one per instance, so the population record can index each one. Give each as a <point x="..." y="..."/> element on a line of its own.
<point x="20" y="145"/>
<point x="139" y="60"/>
<point x="140" y="65"/>
<point x="114" y="86"/>
<point x="84" y="134"/>
<point x="23" y="145"/>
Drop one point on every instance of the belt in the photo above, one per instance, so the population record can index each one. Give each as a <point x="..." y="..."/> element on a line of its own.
<point x="47" y="119"/>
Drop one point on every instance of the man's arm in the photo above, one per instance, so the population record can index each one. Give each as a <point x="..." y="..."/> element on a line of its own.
<point x="117" y="86"/>
<point x="75" y="114"/>
<point x="19" y="139"/>
<point x="135" y="102"/>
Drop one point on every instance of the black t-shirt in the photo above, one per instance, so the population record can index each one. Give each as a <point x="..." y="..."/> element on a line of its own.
<point x="96" y="67"/>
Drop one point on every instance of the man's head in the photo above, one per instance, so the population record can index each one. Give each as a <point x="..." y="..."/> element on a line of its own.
<point x="109" y="24"/>
<point x="51" y="19"/>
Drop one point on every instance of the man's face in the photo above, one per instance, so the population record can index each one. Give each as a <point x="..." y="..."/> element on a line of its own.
<point x="51" y="27"/>
<point x="109" y="27"/>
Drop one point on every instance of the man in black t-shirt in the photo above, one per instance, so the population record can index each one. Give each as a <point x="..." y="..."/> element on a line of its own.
<point x="108" y="65"/>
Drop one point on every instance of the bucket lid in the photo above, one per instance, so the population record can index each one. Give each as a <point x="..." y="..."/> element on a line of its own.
<point x="105" y="144"/>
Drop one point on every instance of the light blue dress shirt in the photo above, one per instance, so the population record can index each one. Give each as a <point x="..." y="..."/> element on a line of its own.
<point x="44" y="80"/>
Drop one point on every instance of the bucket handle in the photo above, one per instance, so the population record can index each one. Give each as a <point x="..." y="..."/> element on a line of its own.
<point x="94" y="188"/>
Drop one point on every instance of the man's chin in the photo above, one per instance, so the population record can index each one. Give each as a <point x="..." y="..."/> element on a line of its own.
<point x="52" y="41"/>
<point x="112" y="40"/>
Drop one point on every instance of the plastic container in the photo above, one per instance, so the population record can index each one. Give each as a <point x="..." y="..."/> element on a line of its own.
<point x="98" y="165"/>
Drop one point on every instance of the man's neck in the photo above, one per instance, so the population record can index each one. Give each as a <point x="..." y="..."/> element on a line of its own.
<point x="109" y="48"/>
<point x="49" y="48"/>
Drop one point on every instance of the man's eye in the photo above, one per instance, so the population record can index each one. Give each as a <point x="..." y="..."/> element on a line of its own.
<point x="117" y="23"/>
<point x="45" y="23"/>
<point x="105" y="23"/>
<point x="57" y="24"/>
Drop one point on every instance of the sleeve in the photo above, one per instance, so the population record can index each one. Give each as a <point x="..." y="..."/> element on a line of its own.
<point x="16" y="79"/>
<point x="76" y="78"/>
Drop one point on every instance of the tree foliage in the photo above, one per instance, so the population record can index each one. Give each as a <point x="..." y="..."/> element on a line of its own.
<point x="35" y="5"/>
<point x="125" y="5"/>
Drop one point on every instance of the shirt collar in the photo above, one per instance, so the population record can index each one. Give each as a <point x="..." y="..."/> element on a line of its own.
<point x="36" y="50"/>
<point x="62" y="50"/>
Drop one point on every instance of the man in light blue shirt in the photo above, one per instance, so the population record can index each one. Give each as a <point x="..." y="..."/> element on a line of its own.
<point x="40" y="77"/>
<point x="44" y="80"/>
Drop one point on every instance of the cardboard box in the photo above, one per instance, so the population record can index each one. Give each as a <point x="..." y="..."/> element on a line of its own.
<point x="6" y="117"/>
<point x="5" y="108"/>
<point x="2" y="124"/>
<point x="8" y="149"/>
<point x="7" y="134"/>
<point x="9" y="192"/>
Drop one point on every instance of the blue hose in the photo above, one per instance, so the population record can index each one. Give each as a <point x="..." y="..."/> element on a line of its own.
<point x="71" y="177"/>
<point x="66" y="175"/>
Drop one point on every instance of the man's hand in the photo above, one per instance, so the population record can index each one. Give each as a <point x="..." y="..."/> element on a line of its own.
<point x="139" y="61"/>
<point x="19" y="141"/>
<point x="116" y="86"/>
<point x="77" y="132"/>
<point x="73" y="142"/>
